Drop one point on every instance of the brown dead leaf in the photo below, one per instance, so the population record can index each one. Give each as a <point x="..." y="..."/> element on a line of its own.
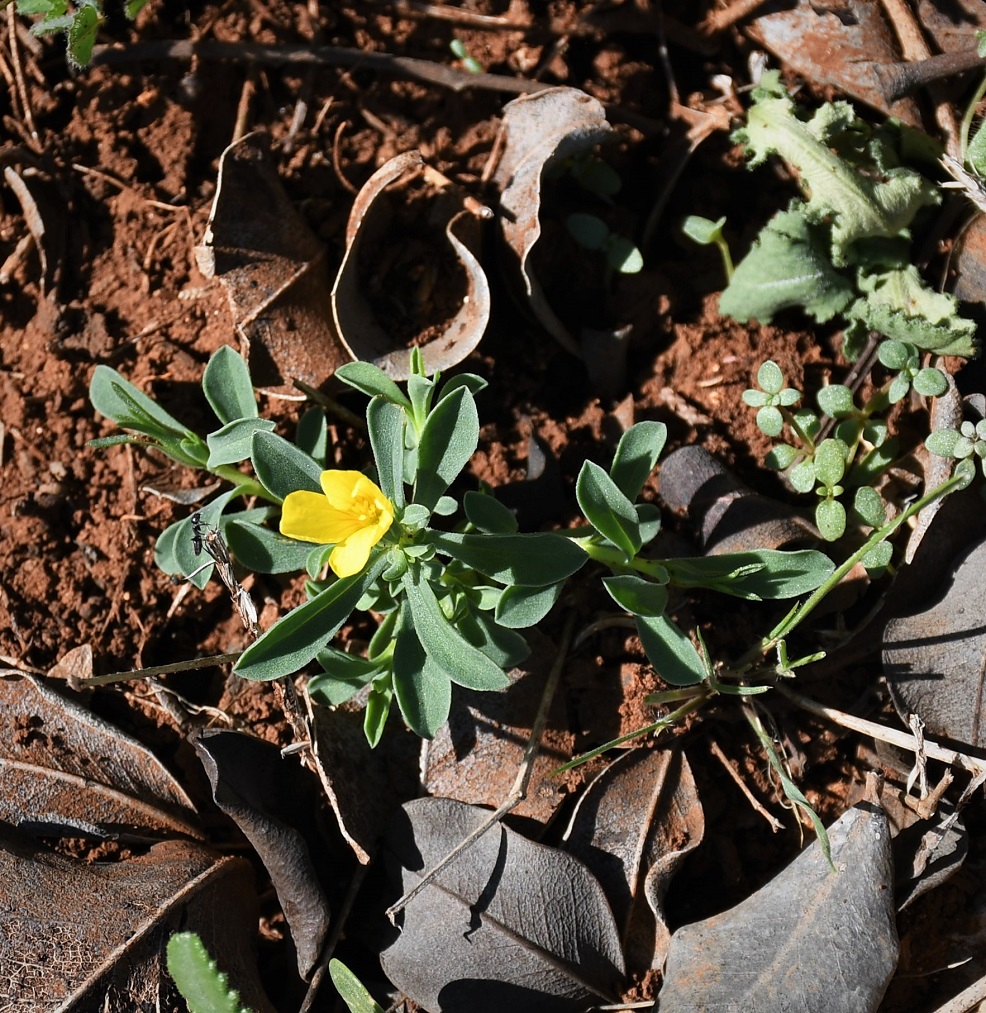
<point x="541" y="130"/>
<point x="90" y="937"/>
<point x="274" y="270"/>
<point x="357" y="324"/>
<point x="633" y="827"/>
<point x="62" y="769"/>
<point x="476" y="754"/>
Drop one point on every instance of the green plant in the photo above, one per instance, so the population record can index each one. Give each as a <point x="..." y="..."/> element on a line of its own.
<point x="202" y="985"/>
<point x="79" y="21"/>
<point x="845" y="248"/>
<point x="449" y="596"/>
<point x="706" y="232"/>
<point x="469" y="62"/>
<point x="593" y="233"/>
<point x="352" y="990"/>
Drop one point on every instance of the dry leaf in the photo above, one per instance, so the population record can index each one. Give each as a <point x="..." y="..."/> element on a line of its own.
<point x="89" y="937"/>
<point x="274" y="270"/>
<point x="64" y="770"/>
<point x="935" y="659"/>
<point x="542" y="129"/>
<point x="271" y="801"/>
<point x="355" y="320"/>
<point x="476" y="754"/>
<point x="633" y="826"/>
<point x="812" y="939"/>
<point x="509" y="925"/>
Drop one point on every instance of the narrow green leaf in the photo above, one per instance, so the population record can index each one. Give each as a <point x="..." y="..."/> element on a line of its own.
<point x="448" y="441"/>
<point x="670" y="652"/>
<point x="386" y="421"/>
<point x="489" y="514"/>
<point x="423" y="688"/>
<point x="502" y="645"/>
<point x="464" y="663"/>
<point x="377" y="709"/>
<point x="234" y="442"/>
<point x="281" y="467"/>
<point x="636" y="455"/>
<point x="372" y="380"/>
<point x="82" y="34"/>
<point x="264" y="551"/>
<point x="521" y="607"/>
<point x="227" y="386"/>
<point x="607" y="509"/>
<point x="638" y="596"/>
<point x="530" y="560"/>
<point x="297" y="638"/>
<point x="118" y="399"/>
<point x="202" y="985"/>
<point x="761" y="574"/>
<point x="312" y="436"/>
<point x="351" y="989"/>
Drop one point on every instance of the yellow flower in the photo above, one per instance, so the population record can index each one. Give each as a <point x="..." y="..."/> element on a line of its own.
<point x="353" y="514"/>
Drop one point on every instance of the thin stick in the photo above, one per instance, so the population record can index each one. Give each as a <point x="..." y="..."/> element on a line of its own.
<point x="15" y="59"/>
<point x="719" y="20"/>
<point x="775" y="823"/>
<point x="214" y="661"/>
<point x="893" y="736"/>
<point x="968" y="999"/>
<point x="519" y="791"/>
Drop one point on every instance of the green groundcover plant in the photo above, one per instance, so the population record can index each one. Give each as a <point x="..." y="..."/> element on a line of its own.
<point x="78" y="21"/>
<point x="451" y="582"/>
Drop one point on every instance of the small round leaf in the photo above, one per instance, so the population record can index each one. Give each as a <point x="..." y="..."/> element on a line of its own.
<point x="770" y="420"/>
<point x="835" y="400"/>
<point x="770" y="378"/>
<point x="830" y="518"/>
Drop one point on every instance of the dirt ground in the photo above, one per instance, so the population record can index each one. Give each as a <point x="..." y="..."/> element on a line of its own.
<point x="122" y="161"/>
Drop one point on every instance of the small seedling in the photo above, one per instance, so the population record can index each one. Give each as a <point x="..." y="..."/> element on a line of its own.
<point x="469" y="62"/>
<point x="593" y="233"/>
<point x="706" y="232"/>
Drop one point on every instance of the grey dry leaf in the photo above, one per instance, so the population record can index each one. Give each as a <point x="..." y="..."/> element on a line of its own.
<point x="475" y="756"/>
<point x="935" y="659"/>
<point x="811" y="940"/>
<point x="274" y="270"/>
<point x="272" y="800"/>
<point x="89" y="937"/>
<point x="542" y="129"/>
<point x="509" y="925"/>
<point x="64" y="770"/>
<point x="632" y="827"/>
<point x="357" y="324"/>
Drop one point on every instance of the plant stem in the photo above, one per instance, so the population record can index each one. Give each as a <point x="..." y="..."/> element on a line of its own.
<point x="615" y="558"/>
<point x="967" y="118"/>
<point x="245" y="484"/>
<point x="794" y="618"/>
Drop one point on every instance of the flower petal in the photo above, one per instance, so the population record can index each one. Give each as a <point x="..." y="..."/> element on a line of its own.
<point x="340" y="487"/>
<point x="350" y="556"/>
<point x="308" y="517"/>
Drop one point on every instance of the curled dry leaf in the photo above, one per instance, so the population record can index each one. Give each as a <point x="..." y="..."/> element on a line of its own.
<point x="64" y="770"/>
<point x="935" y="659"/>
<point x="633" y="827"/>
<point x="509" y="924"/>
<point x="84" y="937"/>
<point x="844" y="47"/>
<point x="271" y="800"/>
<point x="812" y="939"/>
<point x="274" y="270"/>
<point x="541" y="130"/>
<point x="476" y="754"/>
<point x="356" y="323"/>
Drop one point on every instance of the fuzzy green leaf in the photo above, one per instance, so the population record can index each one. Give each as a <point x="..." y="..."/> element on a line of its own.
<point x="281" y="467"/>
<point x="943" y="442"/>
<point x="638" y="596"/>
<point x="351" y="989"/>
<point x="636" y="455"/>
<point x="489" y="514"/>
<point x="423" y="688"/>
<point x="830" y="519"/>
<point x="520" y="607"/>
<point x="118" y="399"/>
<point x="670" y="652"/>
<point x="448" y="441"/>
<point x="294" y="640"/>
<point x="234" y="442"/>
<point x="227" y="386"/>
<point x="464" y="663"/>
<point x="607" y="509"/>
<point x="835" y="400"/>
<point x="770" y="421"/>
<point x="372" y="380"/>
<point x="759" y="574"/>
<point x="203" y="986"/>
<point x="869" y="508"/>
<point x="530" y="560"/>
<point x="312" y="436"/>
<point x="264" y="551"/>
<point x="386" y="422"/>
<point x="789" y="265"/>
<point x="830" y="462"/>
<point x="82" y="34"/>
